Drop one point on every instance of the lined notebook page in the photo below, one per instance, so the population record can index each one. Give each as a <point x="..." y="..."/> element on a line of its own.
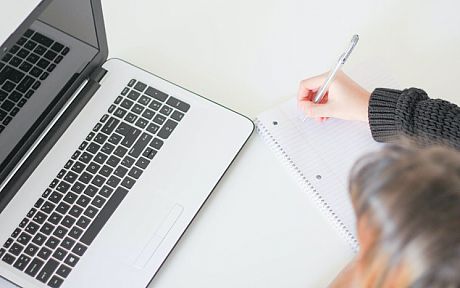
<point x="319" y="156"/>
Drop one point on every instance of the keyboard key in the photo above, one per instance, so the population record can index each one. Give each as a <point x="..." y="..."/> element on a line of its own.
<point x="22" y="262"/>
<point x="78" y="187"/>
<point x="7" y="105"/>
<point x="26" y="67"/>
<point x="47" y="229"/>
<point x="113" y="161"/>
<point x="110" y="125"/>
<point x="85" y="157"/>
<point x="98" y="181"/>
<point x="135" y="172"/>
<point x="113" y="181"/>
<point x="70" y="198"/>
<point x="120" y="151"/>
<point x="55" y="218"/>
<point x="15" y="61"/>
<point x="44" y="253"/>
<point x="32" y="228"/>
<point x="15" y="233"/>
<point x="25" y="84"/>
<point x="63" y="187"/>
<point x="55" y="282"/>
<point x="103" y="216"/>
<point x="140" y="86"/>
<point x="137" y="109"/>
<point x="159" y="119"/>
<point x="148" y="114"/>
<point x="60" y="232"/>
<point x="24" y="238"/>
<point x="71" y="260"/>
<point x="141" y="143"/>
<point x="34" y="267"/>
<point x="166" y="110"/>
<point x="39" y="203"/>
<point x="78" y="167"/>
<point x="128" y="161"/>
<point x="33" y="58"/>
<point x="57" y="47"/>
<point x="31" y="250"/>
<point x="39" y="239"/>
<point x="36" y="72"/>
<point x="83" y="222"/>
<point x="100" y="158"/>
<point x="133" y="95"/>
<point x="76" y="211"/>
<point x="24" y="222"/>
<point x="120" y="113"/>
<point x="75" y="232"/>
<point x="47" y="270"/>
<point x="131" y="82"/>
<point x="128" y="182"/>
<point x="40" y="217"/>
<point x="31" y="212"/>
<point x="59" y="254"/>
<point x="68" y="221"/>
<point x="106" y="191"/>
<point x="93" y="168"/>
<point x="70" y="176"/>
<point x="79" y="249"/>
<point x="178" y="104"/>
<point x="120" y="171"/>
<point x="8" y="258"/>
<point x="127" y="104"/>
<point x="65" y="51"/>
<point x="58" y="59"/>
<point x="8" y="243"/>
<point x="16" y="249"/>
<point x="130" y="133"/>
<point x="55" y="197"/>
<point x="52" y="242"/>
<point x="42" y="39"/>
<point x="67" y="243"/>
<point x="167" y="129"/>
<point x="83" y="201"/>
<point x="106" y="171"/>
<point x="144" y="100"/>
<point x="156" y="143"/>
<point x="156" y="94"/>
<point x="43" y="63"/>
<point x="130" y="117"/>
<point x="142" y="163"/>
<point x="50" y="55"/>
<point x="100" y="138"/>
<point x="155" y="105"/>
<point x="62" y="208"/>
<point x="141" y="123"/>
<point x="40" y="50"/>
<point x="152" y="128"/>
<point x="63" y="271"/>
<point x="107" y="148"/>
<point x="85" y="177"/>
<point x="91" y="190"/>
<point x="93" y="148"/>
<point x="149" y="153"/>
<point x="91" y="211"/>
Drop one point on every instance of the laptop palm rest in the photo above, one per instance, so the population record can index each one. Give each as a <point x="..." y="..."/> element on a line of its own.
<point x="157" y="237"/>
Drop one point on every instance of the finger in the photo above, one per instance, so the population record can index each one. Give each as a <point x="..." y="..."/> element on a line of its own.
<point x="310" y="84"/>
<point x="315" y="110"/>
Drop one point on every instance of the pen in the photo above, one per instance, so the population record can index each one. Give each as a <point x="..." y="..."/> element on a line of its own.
<point x="331" y="76"/>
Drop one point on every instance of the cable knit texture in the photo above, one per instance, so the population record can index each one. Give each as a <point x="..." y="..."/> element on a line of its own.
<point x="394" y="113"/>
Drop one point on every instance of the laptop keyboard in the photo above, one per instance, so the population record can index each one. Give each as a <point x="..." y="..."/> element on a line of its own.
<point x="58" y="230"/>
<point x="22" y="69"/>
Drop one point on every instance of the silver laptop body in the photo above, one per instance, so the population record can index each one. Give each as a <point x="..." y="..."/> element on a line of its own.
<point x="105" y="164"/>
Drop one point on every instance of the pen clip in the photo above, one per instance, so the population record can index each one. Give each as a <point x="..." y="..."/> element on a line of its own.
<point x="354" y="41"/>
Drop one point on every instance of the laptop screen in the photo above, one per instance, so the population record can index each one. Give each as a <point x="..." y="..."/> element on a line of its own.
<point x="36" y="72"/>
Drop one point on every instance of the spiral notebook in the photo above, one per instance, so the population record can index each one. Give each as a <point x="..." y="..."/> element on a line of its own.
<point x="320" y="157"/>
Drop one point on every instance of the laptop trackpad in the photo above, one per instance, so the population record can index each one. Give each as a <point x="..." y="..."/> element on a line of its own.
<point x="155" y="241"/>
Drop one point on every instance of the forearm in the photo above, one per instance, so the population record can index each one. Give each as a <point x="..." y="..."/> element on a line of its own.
<point x="413" y="114"/>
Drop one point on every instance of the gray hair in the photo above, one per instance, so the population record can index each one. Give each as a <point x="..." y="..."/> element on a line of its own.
<point x="412" y="196"/>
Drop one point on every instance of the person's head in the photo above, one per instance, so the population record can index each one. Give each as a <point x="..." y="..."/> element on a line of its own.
<point x="407" y="202"/>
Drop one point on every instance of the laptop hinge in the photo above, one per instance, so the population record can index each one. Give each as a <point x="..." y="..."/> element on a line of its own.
<point x="50" y="136"/>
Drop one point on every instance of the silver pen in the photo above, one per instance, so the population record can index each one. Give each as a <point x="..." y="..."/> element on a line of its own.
<point x="330" y="78"/>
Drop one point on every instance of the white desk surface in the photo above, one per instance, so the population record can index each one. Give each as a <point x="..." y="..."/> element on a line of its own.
<point x="258" y="229"/>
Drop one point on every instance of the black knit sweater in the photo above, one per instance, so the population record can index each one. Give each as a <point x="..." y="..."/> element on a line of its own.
<point x="412" y="113"/>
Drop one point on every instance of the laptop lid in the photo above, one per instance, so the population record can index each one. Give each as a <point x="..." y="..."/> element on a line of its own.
<point x="82" y="22"/>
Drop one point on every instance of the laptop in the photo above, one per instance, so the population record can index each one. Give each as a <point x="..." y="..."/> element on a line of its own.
<point x="103" y="165"/>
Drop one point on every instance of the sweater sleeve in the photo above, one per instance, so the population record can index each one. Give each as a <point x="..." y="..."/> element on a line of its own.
<point x="411" y="113"/>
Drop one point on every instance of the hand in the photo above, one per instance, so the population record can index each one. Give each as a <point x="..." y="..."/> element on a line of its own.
<point x="345" y="99"/>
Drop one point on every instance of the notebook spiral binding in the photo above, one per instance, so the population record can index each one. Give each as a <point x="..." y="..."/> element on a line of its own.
<point x="306" y="185"/>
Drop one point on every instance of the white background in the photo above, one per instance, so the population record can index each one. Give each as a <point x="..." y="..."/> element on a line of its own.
<point x="258" y="229"/>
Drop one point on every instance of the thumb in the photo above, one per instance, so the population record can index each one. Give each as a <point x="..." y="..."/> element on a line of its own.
<point x="310" y="84"/>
